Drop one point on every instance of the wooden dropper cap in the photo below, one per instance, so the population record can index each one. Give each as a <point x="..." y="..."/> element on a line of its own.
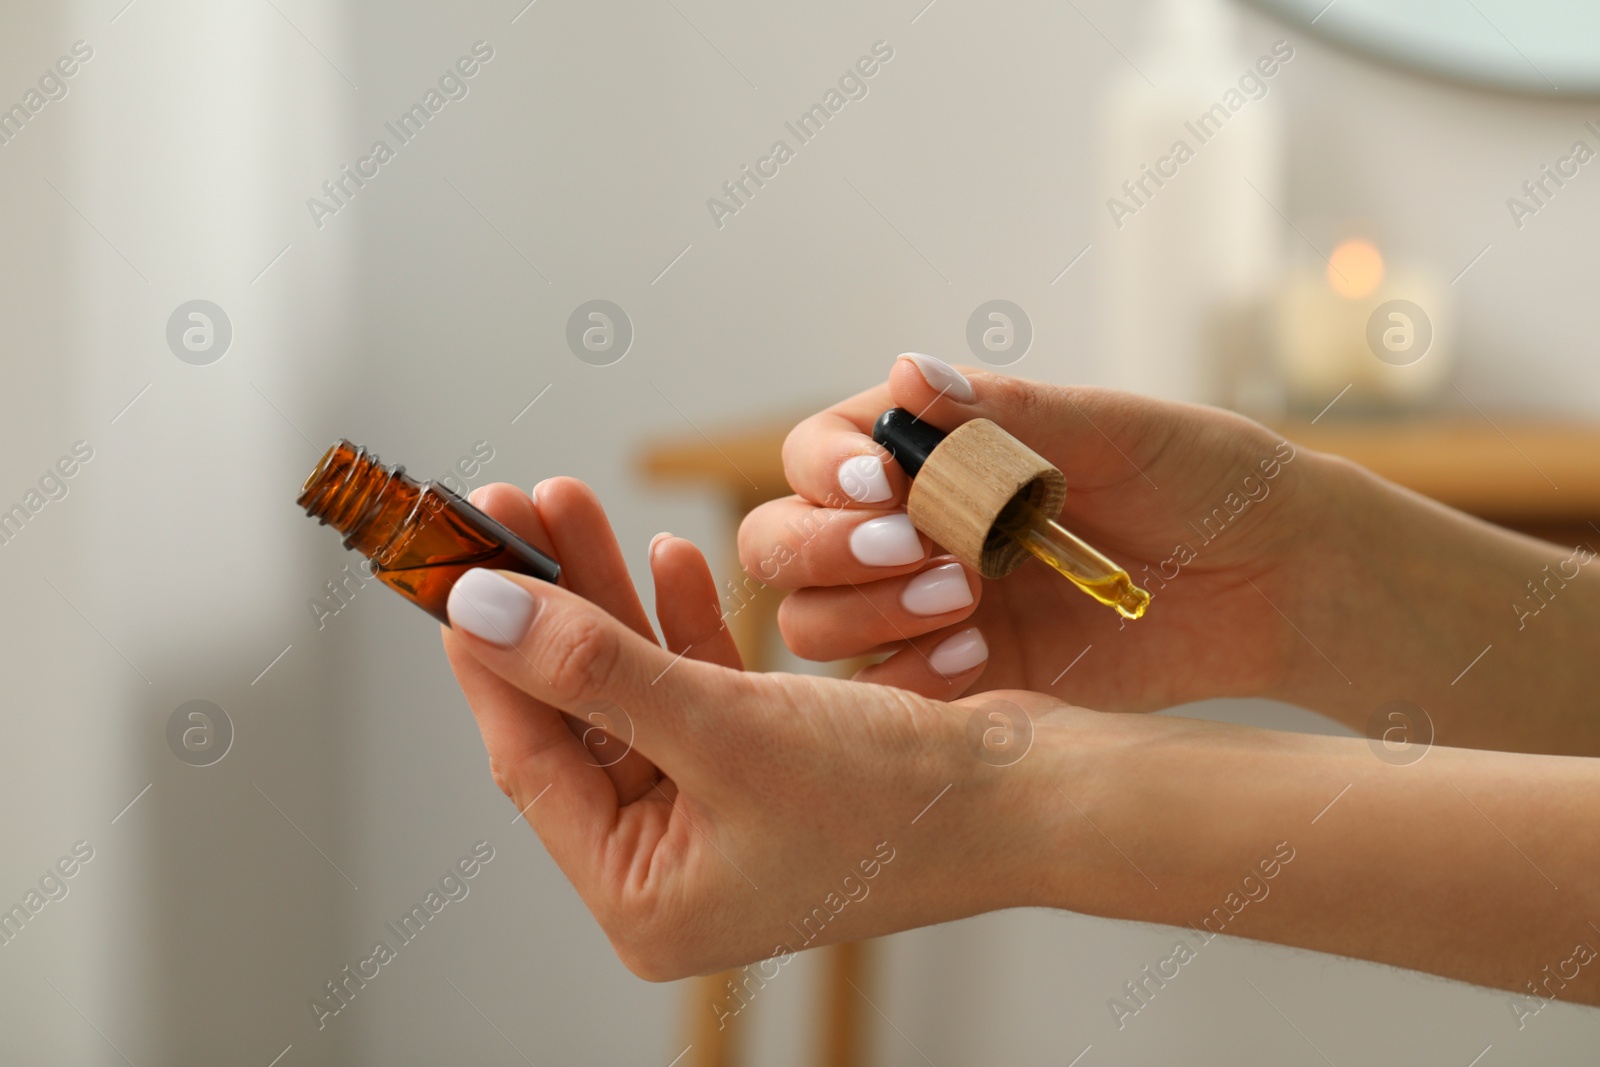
<point x="962" y="480"/>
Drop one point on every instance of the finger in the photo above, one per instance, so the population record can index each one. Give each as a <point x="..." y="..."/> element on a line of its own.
<point x="1097" y="437"/>
<point x="537" y="762"/>
<point x="584" y="544"/>
<point x="513" y="509"/>
<point x="833" y="623"/>
<point x="943" y="664"/>
<point x="832" y="460"/>
<point x="792" y="544"/>
<point x="589" y="562"/>
<point x="687" y="604"/>
<point x="567" y="652"/>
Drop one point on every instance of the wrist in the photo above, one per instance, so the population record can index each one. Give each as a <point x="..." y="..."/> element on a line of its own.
<point x="1326" y="585"/>
<point x="1421" y="593"/>
<point x="1011" y="781"/>
<point x="1159" y="819"/>
<point x="1391" y="595"/>
<point x="1074" y="804"/>
<point x="1364" y="619"/>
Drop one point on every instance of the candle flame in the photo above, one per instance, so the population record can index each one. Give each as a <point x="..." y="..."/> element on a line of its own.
<point x="1355" y="269"/>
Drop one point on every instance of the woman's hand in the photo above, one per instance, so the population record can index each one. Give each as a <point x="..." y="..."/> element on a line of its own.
<point x="1275" y="571"/>
<point x="1214" y="515"/>
<point x="752" y="815"/>
<point x="568" y="523"/>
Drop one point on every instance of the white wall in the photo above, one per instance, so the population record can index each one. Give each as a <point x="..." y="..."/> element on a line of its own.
<point x="415" y="324"/>
<point x="193" y="933"/>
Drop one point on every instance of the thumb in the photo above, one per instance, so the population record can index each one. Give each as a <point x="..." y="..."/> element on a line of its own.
<point x="562" y="650"/>
<point x="1097" y="437"/>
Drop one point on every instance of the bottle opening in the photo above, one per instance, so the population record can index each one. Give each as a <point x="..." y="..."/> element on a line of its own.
<point x="317" y="472"/>
<point x="346" y="484"/>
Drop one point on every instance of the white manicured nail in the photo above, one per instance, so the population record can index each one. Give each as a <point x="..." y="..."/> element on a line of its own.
<point x="960" y="652"/>
<point x="887" y="542"/>
<point x="491" y="607"/>
<point x="938" y="590"/>
<point x="942" y="377"/>
<point x="656" y="540"/>
<point x="863" y="480"/>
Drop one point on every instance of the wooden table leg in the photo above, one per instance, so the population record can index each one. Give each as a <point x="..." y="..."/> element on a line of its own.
<point x="713" y="1040"/>
<point x="751" y="611"/>
<point x="844" y="1033"/>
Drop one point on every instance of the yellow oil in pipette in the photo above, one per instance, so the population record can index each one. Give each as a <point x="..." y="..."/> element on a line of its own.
<point x="1068" y="555"/>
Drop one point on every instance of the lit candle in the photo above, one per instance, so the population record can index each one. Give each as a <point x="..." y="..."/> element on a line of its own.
<point x="1381" y="329"/>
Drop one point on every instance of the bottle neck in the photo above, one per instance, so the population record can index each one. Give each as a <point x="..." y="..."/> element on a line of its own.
<point x="352" y="491"/>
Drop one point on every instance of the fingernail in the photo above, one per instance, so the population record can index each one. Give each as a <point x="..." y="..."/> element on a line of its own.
<point x="937" y="590"/>
<point x="656" y="540"/>
<point x="960" y="652"/>
<point x="490" y="606"/>
<point x="863" y="480"/>
<point x="942" y="377"/>
<point x="887" y="542"/>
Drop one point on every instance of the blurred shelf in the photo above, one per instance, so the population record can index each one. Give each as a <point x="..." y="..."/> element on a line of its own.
<point x="748" y="461"/>
<point x="1518" y="471"/>
<point x="1514" y="470"/>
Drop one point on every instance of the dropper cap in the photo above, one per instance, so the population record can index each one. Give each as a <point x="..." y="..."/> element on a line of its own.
<point x="962" y="480"/>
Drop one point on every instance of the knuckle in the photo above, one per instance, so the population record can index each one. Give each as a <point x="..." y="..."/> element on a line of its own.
<point x="778" y="542"/>
<point x="752" y="538"/>
<point x="797" y="636"/>
<point x="815" y="628"/>
<point x="1035" y="406"/>
<point x="794" y="456"/>
<point x="498" y="772"/>
<point x="579" y="656"/>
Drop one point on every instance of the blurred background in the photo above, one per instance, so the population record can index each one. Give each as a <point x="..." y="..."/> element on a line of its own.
<point x="1379" y="230"/>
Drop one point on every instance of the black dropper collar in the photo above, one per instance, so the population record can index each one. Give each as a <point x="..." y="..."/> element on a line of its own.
<point x="909" y="440"/>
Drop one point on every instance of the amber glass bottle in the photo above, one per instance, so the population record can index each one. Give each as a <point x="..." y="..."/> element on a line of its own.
<point x="421" y="537"/>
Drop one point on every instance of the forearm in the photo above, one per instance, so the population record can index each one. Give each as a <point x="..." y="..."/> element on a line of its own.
<point x="1491" y="633"/>
<point x="1453" y="865"/>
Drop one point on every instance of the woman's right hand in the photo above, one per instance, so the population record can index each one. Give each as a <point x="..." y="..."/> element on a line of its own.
<point x="1217" y="517"/>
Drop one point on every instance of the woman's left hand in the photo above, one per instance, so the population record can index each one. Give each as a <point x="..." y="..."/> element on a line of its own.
<point x="752" y="814"/>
